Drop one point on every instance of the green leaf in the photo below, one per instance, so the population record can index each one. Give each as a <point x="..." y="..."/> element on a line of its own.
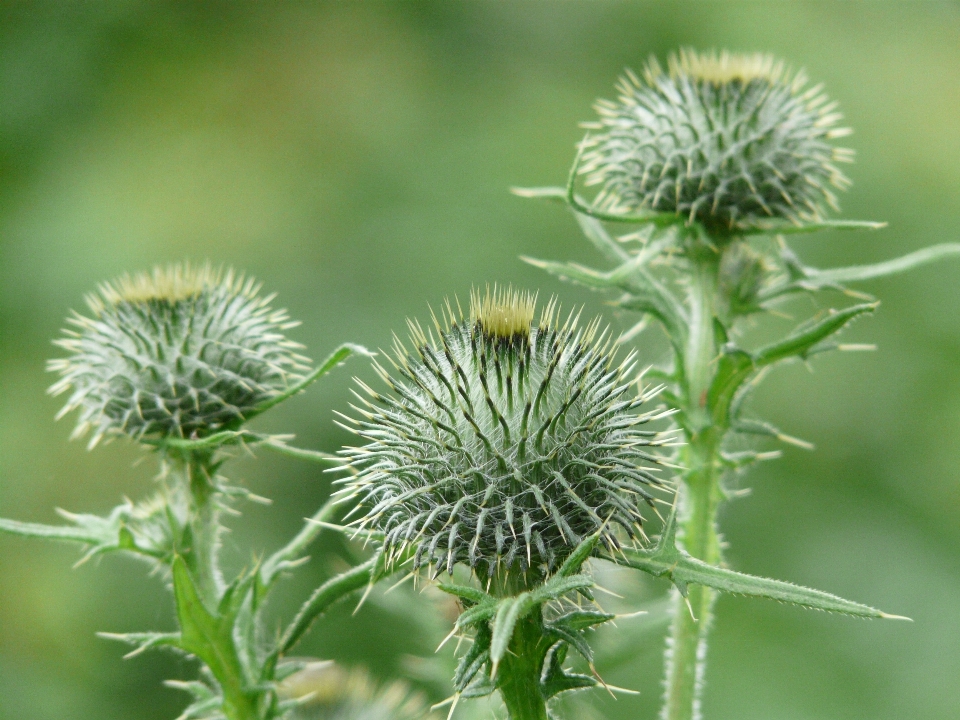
<point x="776" y="228"/>
<point x="472" y="595"/>
<point x="509" y="612"/>
<point x="557" y="683"/>
<point x="671" y="562"/>
<point x="103" y="534"/>
<point x="857" y="273"/>
<point x="95" y="531"/>
<point x="481" y="687"/>
<point x="579" y="556"/>
<point x="291" y="555"/>
<point x="595" y="232"/>
<point x="575" y="272"/>
<point x="143" y="641"/>
<point x="805" y="339"/>
<point x="474" y="659"/>
<point x="210" y="638"/>
<point x="323" y="597"/>
<point x="733" y="369"/>
<point x="573" y="638"/>
<point x="334" y="359"/>
<point x="478" y="614"/>
<point x="808" y="279"/>
<point x="582" y="619"/>
<point x="558" y="586"/>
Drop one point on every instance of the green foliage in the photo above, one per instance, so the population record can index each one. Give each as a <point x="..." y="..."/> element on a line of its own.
<point x="515" y="631"/>
<point x="164" y="357"/>
<point x="735" y="145"/>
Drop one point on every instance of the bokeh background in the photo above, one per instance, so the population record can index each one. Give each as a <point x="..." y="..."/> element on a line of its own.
<point x="356" y="157"/>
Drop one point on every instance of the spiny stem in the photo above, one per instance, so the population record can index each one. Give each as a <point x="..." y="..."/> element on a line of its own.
<point x="519" y="673"/>
<point x="204" y="524"/>
<point x="686" y="654"/>
<point x="686" y="661"/>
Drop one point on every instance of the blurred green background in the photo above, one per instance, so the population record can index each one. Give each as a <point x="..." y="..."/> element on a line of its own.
<point x="356" y="157"/>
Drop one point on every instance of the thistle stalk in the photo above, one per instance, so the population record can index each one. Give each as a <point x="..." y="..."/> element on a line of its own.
<point x="704" y="156"/>
<point x="202" y="553"/>
<point x="178" y="360"/>
<point x="692" y="615"/>
<point x="521" y="669"/>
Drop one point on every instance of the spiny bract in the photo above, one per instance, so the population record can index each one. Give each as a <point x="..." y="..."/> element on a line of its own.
<point x="503" y="444"/>
<point x="180" y="352"/>
<point x="723" y="139"/>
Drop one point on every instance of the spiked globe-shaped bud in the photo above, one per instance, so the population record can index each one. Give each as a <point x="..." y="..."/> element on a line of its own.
<point x="181" y="352"/>
<point x="503" y="444"/>
<point x="727" y="140"/>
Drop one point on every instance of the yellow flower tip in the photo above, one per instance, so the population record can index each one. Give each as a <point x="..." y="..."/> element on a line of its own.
<point x="173" y="283"/>
<point x="726" y="67"/>
<point x="503" y="312"/>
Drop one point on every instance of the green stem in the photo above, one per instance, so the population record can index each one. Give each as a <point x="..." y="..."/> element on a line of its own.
<point x="686" y="654"/>
<point x="518" y="677"/>
<point x="204" y="523"/>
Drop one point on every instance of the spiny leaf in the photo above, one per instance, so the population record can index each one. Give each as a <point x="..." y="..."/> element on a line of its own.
<point x="143" y="640"/>
<point x="582" y="619"/>
<point x="87" y="534"/>
<point x="734" y="367"/>
<point x="478" y="614"/>
<point x="573" y="638"/>
<point x="323" y="597"/>
<point x="780" y="228"/>
<point x="334" y="359"/>
<point x="579" y="556"/>
<point x="857" y="273"/>
<point x="510" y="611"/>
<point x="802" y="341"/>
<point x="575" y="272"/>
<point x="209" y="637"/>
<point x="557" y="683"/>
<point x="480" y="687"/>
<point x="464" y="592"/>
<point x="474" y="659"/>
<point x="667" y="560"/>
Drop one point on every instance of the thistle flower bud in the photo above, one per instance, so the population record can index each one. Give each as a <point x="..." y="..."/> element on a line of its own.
<point x="181" y="352"/>
<point x="504" y="444"/>
<point x="726" y="140"/>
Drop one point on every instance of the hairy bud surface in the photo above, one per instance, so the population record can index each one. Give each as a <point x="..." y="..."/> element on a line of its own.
<point x="725" y="140"/>
<point x="181" y="352"/>
<point x="503" y="444"/>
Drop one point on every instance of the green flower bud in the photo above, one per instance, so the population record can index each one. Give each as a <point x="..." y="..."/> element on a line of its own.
<point x="182" y="352"/>
<point x="504" y="444"/>
<point x="726" y="140"/>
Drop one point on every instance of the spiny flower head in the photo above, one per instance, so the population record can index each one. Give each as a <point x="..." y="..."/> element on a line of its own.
<point x="180" y="352"/>
<point x="726" y="140"/>
<point x="503" y="444"/>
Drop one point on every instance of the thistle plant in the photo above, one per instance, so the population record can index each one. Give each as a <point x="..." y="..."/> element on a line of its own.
<point x="713" y="162"/>
<point x="515" y="450"/>
<point x="179" y="361"/>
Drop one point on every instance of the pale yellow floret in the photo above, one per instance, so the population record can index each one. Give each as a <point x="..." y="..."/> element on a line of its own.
<point x="503" y="312"/>
<point x="724" y="67"/>
<point x="173" y="283"/>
